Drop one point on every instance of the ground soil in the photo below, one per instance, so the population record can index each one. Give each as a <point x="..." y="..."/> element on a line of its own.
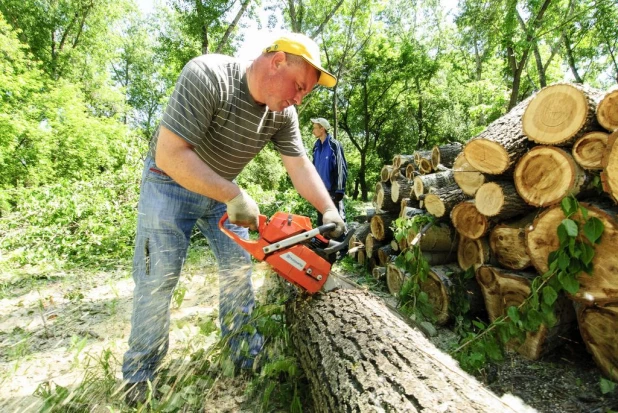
<point x="54" y="327"/>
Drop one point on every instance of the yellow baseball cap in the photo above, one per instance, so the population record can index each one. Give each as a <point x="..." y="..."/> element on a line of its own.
<point x="300" y="45"/>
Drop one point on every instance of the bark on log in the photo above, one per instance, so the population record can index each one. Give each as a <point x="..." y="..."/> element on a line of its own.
<point x="467" y="177"/>
<point x="445" y="154"/>
<point x="609" y="176"/>
<point x="359" y="356"/>
<point x="380" y="226"/>
<point x="500" y="201"/>
<point x="422" y="183"/>
<point x="500" y="145"/>
<point x="607" y="110"/>
<point x="503" y="289"/>
<point x="508" y="243"/>
<point x="439" y="237"/>
<point x="358" y="238"/>
<point x="546" y="174"/>
<point x="442" y="201"/>
<point x="561" y="113"/>
<point x="420" y="155"/>
<point x="589" y="149"/>
<point x="473" y="252"/>
<point x="541" y="239"/>
<point x="468" y="221"/>
<point x="598" y="326"/>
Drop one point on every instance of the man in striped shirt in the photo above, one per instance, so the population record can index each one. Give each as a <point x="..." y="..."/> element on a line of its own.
<point x="221" y="114"/>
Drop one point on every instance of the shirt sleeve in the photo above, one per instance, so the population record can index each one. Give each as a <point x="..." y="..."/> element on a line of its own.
<point x="192" y="104"/>
<point x="287" y="139"/>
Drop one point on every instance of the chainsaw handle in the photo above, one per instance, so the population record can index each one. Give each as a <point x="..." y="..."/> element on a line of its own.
<point x="245" y="244"/>
<point x="326" y="228"/>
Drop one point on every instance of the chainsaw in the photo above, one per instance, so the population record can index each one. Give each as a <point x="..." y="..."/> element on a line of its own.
<point x="296" y="251"/>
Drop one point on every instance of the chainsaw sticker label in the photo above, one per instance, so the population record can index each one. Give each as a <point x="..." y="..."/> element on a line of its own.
<point x="294" y="260"/>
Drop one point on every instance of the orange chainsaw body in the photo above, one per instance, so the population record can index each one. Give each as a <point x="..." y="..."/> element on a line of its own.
<point x="298" y="263"/>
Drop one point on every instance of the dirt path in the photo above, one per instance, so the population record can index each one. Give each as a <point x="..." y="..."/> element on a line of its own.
<point x="66" y="329"/>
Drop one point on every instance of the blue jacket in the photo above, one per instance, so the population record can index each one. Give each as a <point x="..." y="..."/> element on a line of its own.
<point x="333" y="169"/>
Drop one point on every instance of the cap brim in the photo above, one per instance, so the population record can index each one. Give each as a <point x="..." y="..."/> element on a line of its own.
<point x="326" y="78"/>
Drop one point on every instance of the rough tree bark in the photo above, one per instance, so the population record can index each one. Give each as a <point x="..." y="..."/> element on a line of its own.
<point x="359" y="357"/>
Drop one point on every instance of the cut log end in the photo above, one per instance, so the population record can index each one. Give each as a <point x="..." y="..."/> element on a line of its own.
<point x="545" y="175"/>
<point x="468" y="220"/>
<point x="434" y="205"/>
<point x="555" y="114"/>
<point x="467" y="177"/>
<point x="489" y="199"/>
<point x="607" y="111"/>
<point x="487" y="156"/>
<point x="589" y="149"/>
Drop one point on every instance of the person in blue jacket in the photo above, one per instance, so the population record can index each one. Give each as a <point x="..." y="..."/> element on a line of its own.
<point x="329" y="161"/>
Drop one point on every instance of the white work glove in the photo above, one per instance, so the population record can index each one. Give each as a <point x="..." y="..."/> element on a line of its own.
<point x="242" y="210"/>
<point x="332" y="215"/>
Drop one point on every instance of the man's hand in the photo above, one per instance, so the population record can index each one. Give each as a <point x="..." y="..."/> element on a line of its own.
<point x="332" y="215"/>
<point x="242" y="210"/>
<point x="338" y="196"/>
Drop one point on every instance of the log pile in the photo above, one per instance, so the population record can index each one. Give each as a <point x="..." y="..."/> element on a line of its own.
<point x="496" y="200"/>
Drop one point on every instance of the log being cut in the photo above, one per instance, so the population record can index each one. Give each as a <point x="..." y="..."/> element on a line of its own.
<point x="360" y="357"/>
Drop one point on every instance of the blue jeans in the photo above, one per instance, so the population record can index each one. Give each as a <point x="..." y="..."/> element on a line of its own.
<point x="167" y="214"/>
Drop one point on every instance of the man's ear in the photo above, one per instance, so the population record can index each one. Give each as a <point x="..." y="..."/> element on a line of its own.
<point x="278" y="59"/>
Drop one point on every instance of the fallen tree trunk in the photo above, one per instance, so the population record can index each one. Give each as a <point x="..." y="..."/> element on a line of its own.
<point x="358" y="357"/>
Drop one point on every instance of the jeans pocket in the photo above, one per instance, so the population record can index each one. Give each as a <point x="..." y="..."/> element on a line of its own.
<point x="154" y="174"/>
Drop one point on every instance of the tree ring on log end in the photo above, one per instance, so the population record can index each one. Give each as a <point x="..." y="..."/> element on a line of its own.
<point x="469" y="253"/>
<point x="589" y="149"/>
<point x="555" y="114"/>
<point x="434" y="205"/>
<point x="544" y="175"/>
<point x="486" y="156"/>
<point x="468" y="220"/>
<point x="607" y="111"/>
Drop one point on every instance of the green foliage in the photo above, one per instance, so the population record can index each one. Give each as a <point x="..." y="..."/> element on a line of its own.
<point x="412" y="300"/>
<point x="607" y="386"/>
<point x="74" y="223"/>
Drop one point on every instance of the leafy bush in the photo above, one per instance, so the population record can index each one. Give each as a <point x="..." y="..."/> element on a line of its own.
<point x="71" y="223"/>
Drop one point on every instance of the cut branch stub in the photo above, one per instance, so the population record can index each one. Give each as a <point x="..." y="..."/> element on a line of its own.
<point x="589" y="149"/>
<point x="607" y="110"/>
<point x="547" y="174"/>
<point x="561" y="113"/>
<point x="542" y="238"/>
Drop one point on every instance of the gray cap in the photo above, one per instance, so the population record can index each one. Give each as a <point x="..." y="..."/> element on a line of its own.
<point x="322" y="122"/>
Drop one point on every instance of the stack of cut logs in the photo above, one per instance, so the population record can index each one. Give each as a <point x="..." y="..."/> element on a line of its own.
<point x="497" y="201"/>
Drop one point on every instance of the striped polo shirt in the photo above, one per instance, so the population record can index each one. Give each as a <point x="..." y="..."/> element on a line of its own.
<point x="211" y="108"/>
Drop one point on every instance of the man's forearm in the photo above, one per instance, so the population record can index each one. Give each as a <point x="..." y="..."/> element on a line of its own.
<point x="307" y="182"/>
<point x="177" y="159"/>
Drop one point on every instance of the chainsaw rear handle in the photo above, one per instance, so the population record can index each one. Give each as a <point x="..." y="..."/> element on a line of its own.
<point x="248" y="245"/>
